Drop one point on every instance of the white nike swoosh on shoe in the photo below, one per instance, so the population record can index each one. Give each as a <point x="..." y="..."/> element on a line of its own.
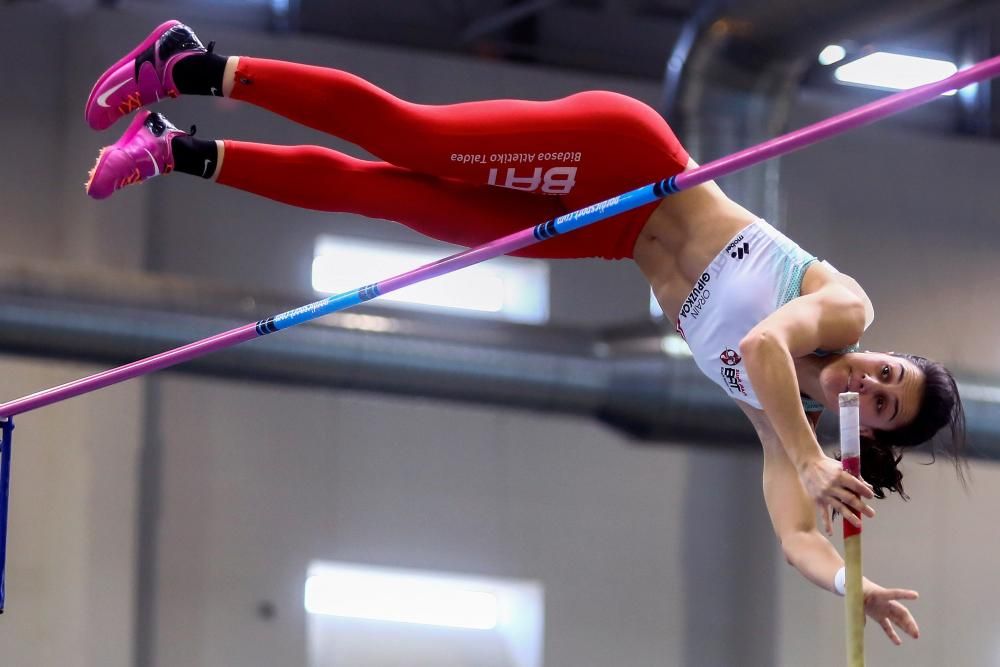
<point x="155" y="166"/>
<point x="103" y="99"/>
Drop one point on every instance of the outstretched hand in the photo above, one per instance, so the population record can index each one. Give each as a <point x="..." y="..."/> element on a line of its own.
<point x="833" y="488"/>
<point x="882" y="605"/>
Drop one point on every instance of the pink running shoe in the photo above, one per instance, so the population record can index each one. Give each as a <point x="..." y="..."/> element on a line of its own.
<point x="144" y="76"/>
<point x="143" y="152"/>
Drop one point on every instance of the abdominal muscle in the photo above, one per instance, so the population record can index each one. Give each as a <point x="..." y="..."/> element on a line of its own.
<point x="688" y="230"/>
<point x="682" y="236"/>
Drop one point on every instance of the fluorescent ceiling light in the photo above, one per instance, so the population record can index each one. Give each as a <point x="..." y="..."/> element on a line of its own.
<point x="367" y="614"/>
<point x="894" y="71"/>
<point x="831" y="54"/>
<point x="501" y="288"/>
<point x="401" y="597"/>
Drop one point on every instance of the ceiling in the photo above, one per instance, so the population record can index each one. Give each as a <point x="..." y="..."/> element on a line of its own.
<point x="623" y="37"/>
<point x="632" y="38"/>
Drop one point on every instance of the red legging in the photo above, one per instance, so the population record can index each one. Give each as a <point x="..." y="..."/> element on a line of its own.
<point x="462" y="173"/>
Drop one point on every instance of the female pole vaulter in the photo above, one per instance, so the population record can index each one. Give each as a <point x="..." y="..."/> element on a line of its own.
<point x="776" y="329"/>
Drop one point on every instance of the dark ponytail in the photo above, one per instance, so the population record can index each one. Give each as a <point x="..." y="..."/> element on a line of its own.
<point x="880" y="467"/>
<point x="940" y="414"/>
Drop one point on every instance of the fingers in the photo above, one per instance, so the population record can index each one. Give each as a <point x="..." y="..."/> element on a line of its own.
<point x="906" y="621"/>
<point x="902" y="617"/>
<point x="856" y="504"/>
<point x="890" y="631"/>
<point x="896" y="613"/>
<point x="900" y="594"/>
<point x="848" y="512"/>
<point x="857" y="486"/>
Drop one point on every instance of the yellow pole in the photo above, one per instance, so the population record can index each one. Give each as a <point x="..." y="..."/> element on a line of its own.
<point x="850" y="454"/>
<point x="855" y="603"/>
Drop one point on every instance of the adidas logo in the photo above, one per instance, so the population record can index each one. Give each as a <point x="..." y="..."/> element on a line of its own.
<point x="741" y="251"/>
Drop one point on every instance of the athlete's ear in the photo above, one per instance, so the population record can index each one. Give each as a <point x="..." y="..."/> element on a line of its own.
<point x="867" y="432"/>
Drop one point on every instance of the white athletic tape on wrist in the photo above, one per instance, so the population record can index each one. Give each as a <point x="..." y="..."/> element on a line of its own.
<point x="840" y="581"/>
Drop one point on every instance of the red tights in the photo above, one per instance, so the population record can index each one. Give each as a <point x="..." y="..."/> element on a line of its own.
<point x="462" y="173"/>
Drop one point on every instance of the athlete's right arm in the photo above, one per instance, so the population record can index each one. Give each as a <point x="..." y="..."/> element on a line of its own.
<point x="793" y="515"/>
<point x="828" y="318"/>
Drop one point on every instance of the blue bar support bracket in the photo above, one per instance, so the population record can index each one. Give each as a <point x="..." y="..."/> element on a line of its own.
<point x="7" y="425"/>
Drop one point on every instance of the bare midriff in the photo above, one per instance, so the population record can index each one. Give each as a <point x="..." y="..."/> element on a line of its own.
<point x="688" y="230"/>
<point x="682" y="236"/>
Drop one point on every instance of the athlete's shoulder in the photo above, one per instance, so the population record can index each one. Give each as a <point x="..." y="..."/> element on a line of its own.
<point x="823" y="274"/>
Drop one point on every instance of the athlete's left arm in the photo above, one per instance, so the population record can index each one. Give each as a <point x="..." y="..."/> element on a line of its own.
<point x="805" y="547"/>
<point x="831" y="317"/>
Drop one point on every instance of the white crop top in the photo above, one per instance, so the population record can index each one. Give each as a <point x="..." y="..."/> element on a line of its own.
<point x="757" y="272"/>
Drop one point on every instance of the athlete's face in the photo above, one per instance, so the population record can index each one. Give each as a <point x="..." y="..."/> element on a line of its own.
<point x="890" y="388"/>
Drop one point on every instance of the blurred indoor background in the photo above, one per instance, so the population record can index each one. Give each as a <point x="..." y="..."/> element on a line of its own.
<point x="554" y="449"/>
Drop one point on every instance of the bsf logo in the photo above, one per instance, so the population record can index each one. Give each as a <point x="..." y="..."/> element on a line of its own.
<point x="734" y="380"/>
<point x="730" y="358"/>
